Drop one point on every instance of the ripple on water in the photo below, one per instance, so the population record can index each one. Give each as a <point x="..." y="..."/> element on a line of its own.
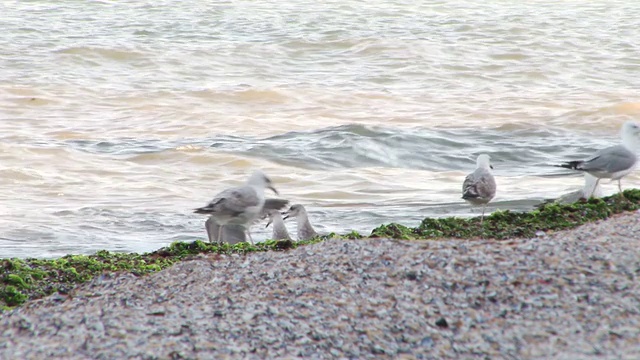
<point x="112" y="54"/>
<point x="514" y="146"/>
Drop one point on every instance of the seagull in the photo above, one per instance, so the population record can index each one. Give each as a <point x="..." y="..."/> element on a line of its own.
<point x="233" y="234"/>
<point x="479" y="187"/>
<point x="279" y="229"/>
<point x="614" y="162"/>
<point x="305" y="230"/>
<point x="240" y="205"/>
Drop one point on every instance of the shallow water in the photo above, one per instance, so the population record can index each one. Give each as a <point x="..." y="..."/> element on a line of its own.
<point x="116" y="119"/>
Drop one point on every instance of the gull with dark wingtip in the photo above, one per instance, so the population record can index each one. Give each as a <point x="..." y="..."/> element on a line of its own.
<point x="233" y="234"/>
<point x="614" y="162"/>
<point x="240" y="205"/>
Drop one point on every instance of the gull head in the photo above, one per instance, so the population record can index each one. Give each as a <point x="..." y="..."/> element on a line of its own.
<point x="630" y="133"/>
<point x="484" y="161"/>
<point x="273" y="214"/>
<point x="259" y="179"/>
<point x="294" y="211"/>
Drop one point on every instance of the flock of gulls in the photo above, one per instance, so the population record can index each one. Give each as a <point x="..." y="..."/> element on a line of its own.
<point x="233" y="211"/>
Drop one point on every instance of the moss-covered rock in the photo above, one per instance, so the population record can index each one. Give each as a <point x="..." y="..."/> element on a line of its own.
<point x="395" y="231"/>
<point x="21" y="280"/>
<point x="11" y="296"/>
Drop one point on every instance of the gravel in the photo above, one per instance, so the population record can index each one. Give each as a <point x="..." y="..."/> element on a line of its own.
<point x="569" y="295"/>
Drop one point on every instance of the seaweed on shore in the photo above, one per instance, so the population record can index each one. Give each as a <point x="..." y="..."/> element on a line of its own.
<point x="507" y="224"/>
<point x="28" y="279"/>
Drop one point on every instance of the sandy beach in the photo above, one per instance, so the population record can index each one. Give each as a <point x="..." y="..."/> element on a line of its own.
<point x="569" y="295"/>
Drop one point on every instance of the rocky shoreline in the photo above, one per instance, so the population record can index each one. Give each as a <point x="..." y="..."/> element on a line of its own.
<point x="573" y="294"/>
<point x="23" y="280"/>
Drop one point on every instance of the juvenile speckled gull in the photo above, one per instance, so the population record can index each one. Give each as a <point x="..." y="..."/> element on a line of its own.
<point x="590" y="189"/>
<point x="279" y="229"/>
<point x="233" y="234"/>
<point x="305" y="230"/>
<point x="614" y="162"/>
<point x="240" y="205"/>
<point x="479" y="187"/>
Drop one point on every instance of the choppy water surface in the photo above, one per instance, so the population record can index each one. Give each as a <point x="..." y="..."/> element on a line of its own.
<point x="118" y="118"/>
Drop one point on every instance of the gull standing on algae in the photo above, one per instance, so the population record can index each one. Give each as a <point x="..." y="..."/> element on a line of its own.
<point x="479" y="187"/>
<point x="233" y="234"/>
<point x="614" y="162"/>
<point x="305" y="230"/>
<point x="279" y="229"/>
<point x="240" y="205"/>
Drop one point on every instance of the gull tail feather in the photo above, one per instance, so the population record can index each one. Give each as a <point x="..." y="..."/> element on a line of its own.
<point x="210" y="208"/>
<point x="470" y="194"/>
<point x="275" y="204"/>
<point x="573" y="165"/>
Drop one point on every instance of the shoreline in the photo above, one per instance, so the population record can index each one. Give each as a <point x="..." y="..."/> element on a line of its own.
<point x="570" y="294"/>
<point x="22" y="280"/>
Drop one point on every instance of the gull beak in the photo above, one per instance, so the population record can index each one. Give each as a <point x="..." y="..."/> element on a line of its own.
<point x="286" y="216"/>
<point x="203" y="210"/>
<point x="274" y="189"/>
<point x="491" y="166"/>
<point x="268" y="223"/>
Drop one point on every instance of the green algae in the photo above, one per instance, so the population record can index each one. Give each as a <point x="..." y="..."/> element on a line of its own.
<point x="395" y="231"/>
<point x="11" y="296"/>
<point x="21" y="280"/>
<point x="353" y="235"/>
<point x="25" y="279"/>
<point x="507" y="224"/>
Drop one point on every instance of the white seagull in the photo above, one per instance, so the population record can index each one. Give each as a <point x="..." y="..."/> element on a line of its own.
<point x="614" y="162"/>
<point x="240" y="205"/>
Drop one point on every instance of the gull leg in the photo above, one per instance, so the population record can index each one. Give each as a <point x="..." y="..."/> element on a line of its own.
<point x="250" y="238"/>
<point x="484" y="206"/>
<point x="211" y="233"/>
<point x="594" y="189"/>
<point x="220" y="235"/>
<point x="620" y="189"/>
